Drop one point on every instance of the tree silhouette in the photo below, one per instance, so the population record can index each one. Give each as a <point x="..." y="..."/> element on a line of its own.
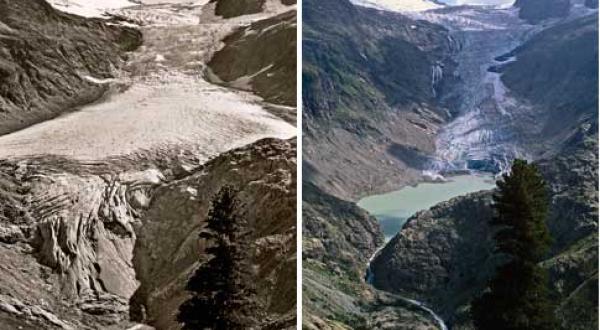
<point x="223" y="296"/>
<point x="517" y="297"/>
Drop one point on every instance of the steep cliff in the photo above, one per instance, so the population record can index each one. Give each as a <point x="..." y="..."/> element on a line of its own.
<point x="261" y="58"/>
<point x="555" y="72"/>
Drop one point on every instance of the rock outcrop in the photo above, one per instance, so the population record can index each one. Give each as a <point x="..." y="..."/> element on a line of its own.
<point x="233" y="8"/>
<point x="261" y="58"/>
<point x="535" y="11"/>
<point x="555" y="72"/>
<point x="443" y="254"/>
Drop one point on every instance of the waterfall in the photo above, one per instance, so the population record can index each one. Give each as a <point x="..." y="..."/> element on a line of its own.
<point x="437" y="73"/>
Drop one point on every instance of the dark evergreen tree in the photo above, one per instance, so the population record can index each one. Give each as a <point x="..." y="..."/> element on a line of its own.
<point x="223" y="296"/>
<point x="517" y="297"/>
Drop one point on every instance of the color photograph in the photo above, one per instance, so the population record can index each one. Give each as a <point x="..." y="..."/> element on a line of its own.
<point x="450" y="164"/>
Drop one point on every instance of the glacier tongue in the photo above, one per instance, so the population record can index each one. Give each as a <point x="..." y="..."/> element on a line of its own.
<point x="484" y="134"/>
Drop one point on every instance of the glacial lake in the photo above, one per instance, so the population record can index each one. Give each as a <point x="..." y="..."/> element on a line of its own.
<point x="394" y="208"/>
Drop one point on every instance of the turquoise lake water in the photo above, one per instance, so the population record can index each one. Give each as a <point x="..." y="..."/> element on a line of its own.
<point x="394" y="208"/>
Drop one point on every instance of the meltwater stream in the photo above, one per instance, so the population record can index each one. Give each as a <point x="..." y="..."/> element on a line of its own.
<point x="369" y="279"/>
<point x="394" y="208"/>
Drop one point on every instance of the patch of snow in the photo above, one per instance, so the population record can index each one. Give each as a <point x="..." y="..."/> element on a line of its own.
<point x="100" y="81"/>
<point x="398" y="5"/>
<point x="127" y="24"/>
<point x="498" y="3"/>
<point x="90" y="8"/>
<point x="149" y="176"/>
<point x="192" y="191"/>
<point x="245" y="82"/>
<point x="434" y="176"/>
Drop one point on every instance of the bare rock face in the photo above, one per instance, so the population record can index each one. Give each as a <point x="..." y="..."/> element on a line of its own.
<point x="536" y="11"/>
<point x="261" y="58"/>
<point x="45" y="56"/>
<point x="86" y="246"/>
<point x="233" y="8"/>
<point x="443" y="253"/>
<point x="168" y="249"/>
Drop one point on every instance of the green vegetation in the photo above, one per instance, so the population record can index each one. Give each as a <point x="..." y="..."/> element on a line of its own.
<point x="222" y="296"/>
<point x="518" y="296"/>
<point x="353" y="71"/>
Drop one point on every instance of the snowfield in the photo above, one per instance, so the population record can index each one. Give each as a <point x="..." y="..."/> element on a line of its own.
<point x="398" y="5"/>
<point x="166" y="105"/>
<point x="90" y="8"/>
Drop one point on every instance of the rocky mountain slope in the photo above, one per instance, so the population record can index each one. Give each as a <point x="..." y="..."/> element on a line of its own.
<point x="261" y="58"/>
<point x="47" y="57"/>
<point x="375" y="120"/>
<point x="538" y="11"/>
<point x="234" y="8"/>
<point x="556" y="72"/>
<point x="338" y="240"/>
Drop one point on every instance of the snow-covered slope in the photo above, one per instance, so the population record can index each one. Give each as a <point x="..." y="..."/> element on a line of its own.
<point x="399" y="5"/>
<point x="89" y="8"/>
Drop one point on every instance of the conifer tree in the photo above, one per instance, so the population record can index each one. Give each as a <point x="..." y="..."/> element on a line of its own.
<point x="517" y="297"/>
<point x="223" y="296"/>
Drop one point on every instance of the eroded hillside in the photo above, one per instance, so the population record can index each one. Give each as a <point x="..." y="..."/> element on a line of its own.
<point x="46" y="59"/>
